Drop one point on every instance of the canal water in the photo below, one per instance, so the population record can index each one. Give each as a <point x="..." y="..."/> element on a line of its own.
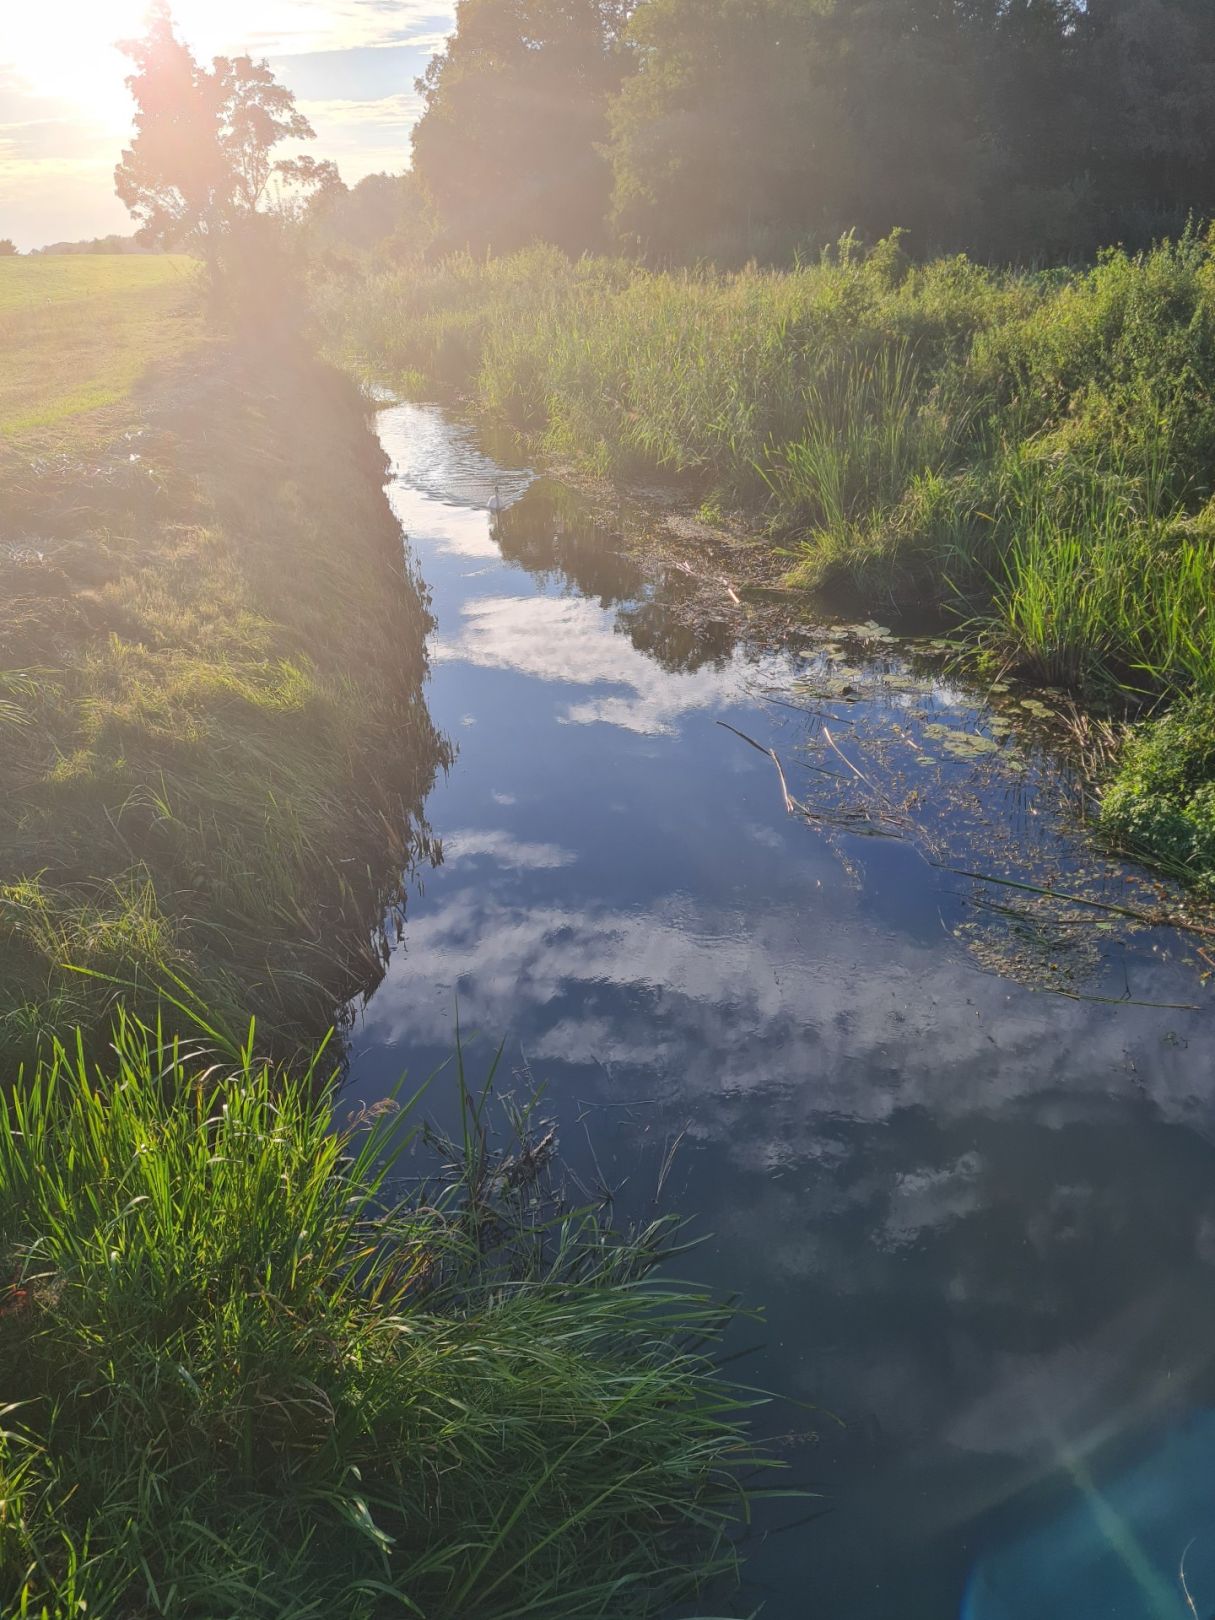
<point x="956" y="1138"/>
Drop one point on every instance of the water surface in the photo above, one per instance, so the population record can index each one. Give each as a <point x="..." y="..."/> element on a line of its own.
<point x="929" y="1124"/>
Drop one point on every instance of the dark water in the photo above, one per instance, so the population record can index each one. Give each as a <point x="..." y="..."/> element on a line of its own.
<point x="968" y="1176"/>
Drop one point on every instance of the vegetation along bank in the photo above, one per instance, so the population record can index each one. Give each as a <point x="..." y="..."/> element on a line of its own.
<point x="250" y="1372"/>
<point x="1029" y="452"/>
<point x="211" y="657"/>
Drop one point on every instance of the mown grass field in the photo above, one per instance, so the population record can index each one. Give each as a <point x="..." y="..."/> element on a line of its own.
<point x="1031" y="453"/>
<point x="78" y="331"/>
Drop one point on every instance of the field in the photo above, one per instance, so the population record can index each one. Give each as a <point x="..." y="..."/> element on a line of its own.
<point x="1028" y="455"/>
<point x="78" y="332"/>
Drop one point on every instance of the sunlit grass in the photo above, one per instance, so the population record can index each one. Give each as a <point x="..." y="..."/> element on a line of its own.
<point x="1033" y="454"/>
<point x="78" y="331"/>
<point x="245" y="1379"/>
<point x="212" y="733"/>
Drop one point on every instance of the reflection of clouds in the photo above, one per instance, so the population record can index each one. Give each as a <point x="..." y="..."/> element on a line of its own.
<point x="500" y="847"/>
<point x="461" y="530"/>
<point x="731" y="1008"/>
<point x="572" y="640"/>
<point x="438" y="462"/>
<point x="924" y="1199"/>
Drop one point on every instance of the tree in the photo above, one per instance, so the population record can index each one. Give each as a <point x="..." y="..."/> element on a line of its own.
<point x="509" y="143"/>
<point x="726" y="141"/>
<point x="7" y="247"/>
<point x="201" y="160"/>
<point x="1149" y="68"/>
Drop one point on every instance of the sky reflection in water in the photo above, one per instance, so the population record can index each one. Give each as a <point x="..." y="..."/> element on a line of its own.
<point x="981" y="1217"/>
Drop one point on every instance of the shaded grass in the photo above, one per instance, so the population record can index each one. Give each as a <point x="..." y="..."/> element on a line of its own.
<point x="215" y="741"/>
<point x="79" y="331"/>
<point x="245" y="1379"/>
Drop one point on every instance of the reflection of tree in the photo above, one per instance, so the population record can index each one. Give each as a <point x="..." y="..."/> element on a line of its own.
<point x="552" y="533"/>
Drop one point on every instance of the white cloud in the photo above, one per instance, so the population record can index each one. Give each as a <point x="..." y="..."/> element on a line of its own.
<point x="563" y="640"/>
<point x="500" y="847"/>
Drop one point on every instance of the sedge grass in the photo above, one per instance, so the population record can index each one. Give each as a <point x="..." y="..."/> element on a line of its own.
<point x="246" y="1377"/>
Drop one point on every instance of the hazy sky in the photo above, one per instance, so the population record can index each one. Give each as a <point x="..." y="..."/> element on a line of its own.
<point x="65" y="111"/>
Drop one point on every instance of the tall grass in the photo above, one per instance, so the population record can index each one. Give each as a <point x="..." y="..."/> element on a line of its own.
<point x="1000" y="444"/>
<point x="246" y="1375"/>
<point x="1033" y="453"/>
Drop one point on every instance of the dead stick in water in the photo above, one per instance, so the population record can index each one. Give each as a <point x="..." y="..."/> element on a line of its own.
<point x="791" y="805"/>
<point x="859" y="775"/>
<point x="1153" y="919"/>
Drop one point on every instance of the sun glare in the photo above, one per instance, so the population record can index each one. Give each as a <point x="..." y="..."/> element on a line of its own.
<point x="66" y="51"/>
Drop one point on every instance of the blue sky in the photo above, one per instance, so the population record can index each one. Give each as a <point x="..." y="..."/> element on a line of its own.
<point x="65" y="113"/>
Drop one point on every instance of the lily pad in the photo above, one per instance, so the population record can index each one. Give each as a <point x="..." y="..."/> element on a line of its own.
<point x="962" y="744"/>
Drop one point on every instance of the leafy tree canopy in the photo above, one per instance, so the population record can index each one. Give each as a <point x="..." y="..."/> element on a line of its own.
<point x="202" y="156"/>
<point x="509" y="143"/>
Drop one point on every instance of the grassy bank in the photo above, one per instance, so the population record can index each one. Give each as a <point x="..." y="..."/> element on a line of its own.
<point x="212" y="735"/>
<point x="1032" y="453"/>
<point x="244" y="1380"/>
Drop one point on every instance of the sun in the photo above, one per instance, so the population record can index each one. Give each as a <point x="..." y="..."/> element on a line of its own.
<point x="66" y="50"/>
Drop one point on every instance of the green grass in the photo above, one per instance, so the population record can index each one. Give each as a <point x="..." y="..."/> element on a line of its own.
<point x="248" y="1379"/>
<point x="78" y="332"/>
<point x="1031" y="453"/>
<point x="213" y="742"/>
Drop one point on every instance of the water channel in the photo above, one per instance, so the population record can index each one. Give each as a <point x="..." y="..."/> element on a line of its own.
<point x="955" y="1138"/>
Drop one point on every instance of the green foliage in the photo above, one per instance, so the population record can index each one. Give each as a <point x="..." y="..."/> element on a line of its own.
<point x="1161" y="804"/>
<point x="727" y="130"/>
<point x="201" y="158"/>
<point x="509" y="145"/>
<point x="245" y="1381"/>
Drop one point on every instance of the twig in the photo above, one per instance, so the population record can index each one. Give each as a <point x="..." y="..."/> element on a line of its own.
<point x="791" y="805"/>
<point x="1181" y="1575"/>
<point x="859" y="775"/>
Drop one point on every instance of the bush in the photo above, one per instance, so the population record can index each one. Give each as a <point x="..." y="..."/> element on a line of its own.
<point x="1161" y="804"/>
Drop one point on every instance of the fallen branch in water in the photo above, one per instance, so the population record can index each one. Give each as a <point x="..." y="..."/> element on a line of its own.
<point x="791" y="805"/>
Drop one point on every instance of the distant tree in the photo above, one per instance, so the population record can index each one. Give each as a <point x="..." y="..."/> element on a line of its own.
<point x="765" y="126"/>
<point x="1149" y="137"/>
<point x="201" y="160"/>
<point x="509" y="142"/>
<point x="7" y="247"/>
<point x="381" y="208"/>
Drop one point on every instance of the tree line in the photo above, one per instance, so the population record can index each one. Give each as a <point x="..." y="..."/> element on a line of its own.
<point x="731" y="129"/>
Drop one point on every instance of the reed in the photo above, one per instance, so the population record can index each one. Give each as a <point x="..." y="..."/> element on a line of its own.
<point x="1031" y="453"/>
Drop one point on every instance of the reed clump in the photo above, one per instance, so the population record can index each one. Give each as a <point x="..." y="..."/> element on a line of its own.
<point x="247" y="1376"/>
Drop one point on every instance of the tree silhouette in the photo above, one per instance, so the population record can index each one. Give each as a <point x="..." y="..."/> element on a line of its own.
<point x="201" y="160"/>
